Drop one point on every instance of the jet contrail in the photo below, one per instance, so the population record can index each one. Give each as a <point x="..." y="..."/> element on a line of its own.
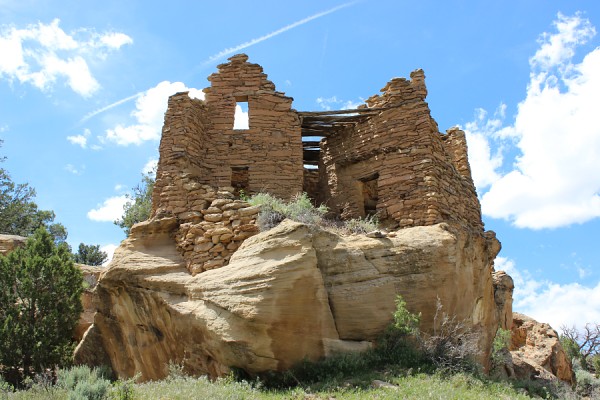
<point x="108" y="107"/>
<point x="229" y="51"/>
<point x="286" y="28"/>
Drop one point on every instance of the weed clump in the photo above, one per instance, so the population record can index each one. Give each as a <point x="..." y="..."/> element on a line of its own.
<point x="301" y="209"/>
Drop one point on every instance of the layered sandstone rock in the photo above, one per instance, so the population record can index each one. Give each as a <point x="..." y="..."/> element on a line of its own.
<point x="503" y="291"/>
<point x="10" y="242"/>
<point x="537" y="353"/>
<point x="91" y="274"/>
<point x="290" y="293"/>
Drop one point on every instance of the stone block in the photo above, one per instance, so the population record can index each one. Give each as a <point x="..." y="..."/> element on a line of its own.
<point x="213" y="217"/>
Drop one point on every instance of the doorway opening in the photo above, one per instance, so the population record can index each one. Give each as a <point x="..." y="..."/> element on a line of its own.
<point x="240" y="180"/>
<point x="369" y="194"/>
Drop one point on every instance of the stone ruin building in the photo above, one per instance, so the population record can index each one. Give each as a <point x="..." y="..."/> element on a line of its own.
<point x="386" y="158"/>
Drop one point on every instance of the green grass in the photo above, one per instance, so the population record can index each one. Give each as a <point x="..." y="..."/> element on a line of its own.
<point x="419" y="386"/>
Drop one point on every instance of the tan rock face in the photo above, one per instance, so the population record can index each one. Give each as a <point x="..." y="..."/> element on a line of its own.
<point x="10" y="242"/>
<point x="536" y="351"/>
<point x="503" y="290"/>
<point x="91" y="275"/>
<point x="291" y="293"/>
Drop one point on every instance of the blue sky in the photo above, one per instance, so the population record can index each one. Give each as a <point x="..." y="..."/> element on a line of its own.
<point x="83" y="89"/>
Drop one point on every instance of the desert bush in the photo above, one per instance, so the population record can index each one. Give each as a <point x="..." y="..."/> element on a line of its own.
<point x="301" y="209"/>
<point x="5" y="387"/>
<point x="500" y="347"/>
<point x="587" y="382"/>
<point x="274" y="210"/>
<point x="453" y="345"/>
<point x="405" y="322"/>
<point x="362" y="225"/>
<point x="85" y="383"/>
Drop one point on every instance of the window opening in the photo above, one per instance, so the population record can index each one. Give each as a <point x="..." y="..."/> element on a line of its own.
<point x="241" y="120"/>
<point x="369" y="194"/>
<point x="240" y="180"/>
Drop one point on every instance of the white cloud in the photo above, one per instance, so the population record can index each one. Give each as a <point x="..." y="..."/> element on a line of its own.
<point x="40" y="54"/>
<point x="150" y="166"/>
<point x="558" y="49"/>
<point x="479" y="133"/>
<point x="4" y="128"/>
<point x="570" y="304"/>
<point x="115" y="40"/>
<point x="74" y="170"/>
<point x="149" y="113"/>
<point x="553" y="181"/>
<point x="109" y="211"/>
<point x="240" y="119"/>
<point x="80" y="140"/>
<point x="109" y="249"/>
<point x="329" y="102"/>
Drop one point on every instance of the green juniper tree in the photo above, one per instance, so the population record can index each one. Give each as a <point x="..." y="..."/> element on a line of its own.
<point x="40" y="304"/>
<point x="139" y="204"/>
<point x="89" y="255"/>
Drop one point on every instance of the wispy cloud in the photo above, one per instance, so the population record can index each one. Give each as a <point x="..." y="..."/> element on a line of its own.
<point x="150" y="107"/>
<point x="44" y="54"/>
<point x="286" y="28"/>
<point x="110" y="106"/>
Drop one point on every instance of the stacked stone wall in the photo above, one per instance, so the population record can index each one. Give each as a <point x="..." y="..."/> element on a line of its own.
<point x="422" y="177"/>
<point x="394" y="163"/>
<point x="311" y="184"/>
<point x="183" y="163"/>
<point x="271" y="149"/>
<point x="208" y="238"/>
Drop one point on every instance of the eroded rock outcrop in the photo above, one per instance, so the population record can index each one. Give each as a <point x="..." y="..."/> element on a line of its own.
<point x="290" y="293"/>
<point x="10" y="242"/>
<point x="537" y="353"/>
<point x="503" y="291"/>
<point x="91" y="274"/>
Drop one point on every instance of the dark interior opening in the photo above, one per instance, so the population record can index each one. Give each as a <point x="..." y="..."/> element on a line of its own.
<point x="369" y="194"/>
<point x="240" y="180"/>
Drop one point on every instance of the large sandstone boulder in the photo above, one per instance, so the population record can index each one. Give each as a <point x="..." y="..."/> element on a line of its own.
<point x="10" y="242"/>
<point x="537" y="353"/>
<point x="290" y="293"/>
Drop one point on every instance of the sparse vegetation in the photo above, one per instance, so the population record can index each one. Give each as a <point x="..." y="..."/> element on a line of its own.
<point x="583" y="348"/>
<point x="300" y="208"/>
<point x="453" y="346"/>
<point x="401" y="363"/>
<point x="500" y="347"/>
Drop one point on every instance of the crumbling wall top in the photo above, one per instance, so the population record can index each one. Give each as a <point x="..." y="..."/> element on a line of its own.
<point x="400" y="90"/>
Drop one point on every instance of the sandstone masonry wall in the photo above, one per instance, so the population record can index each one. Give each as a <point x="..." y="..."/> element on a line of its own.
<point x="417" y="176"/>
<point x="271" y="149"/>
<point x="395" y="164"/>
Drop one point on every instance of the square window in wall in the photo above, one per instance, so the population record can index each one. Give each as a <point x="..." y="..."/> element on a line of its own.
<point x="241" y="119"/>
